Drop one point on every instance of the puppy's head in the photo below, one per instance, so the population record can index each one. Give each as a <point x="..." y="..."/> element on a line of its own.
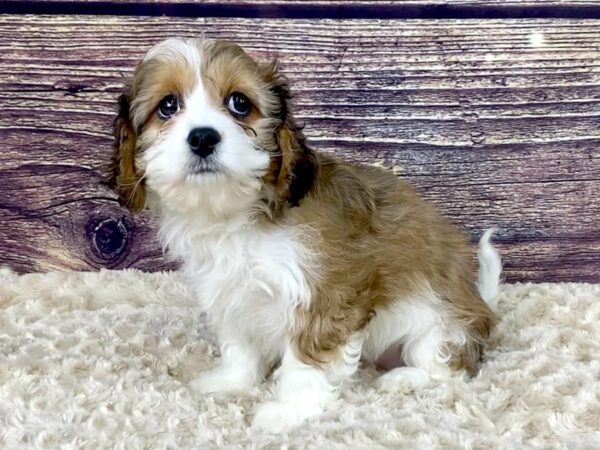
<point x="206" y="128"/>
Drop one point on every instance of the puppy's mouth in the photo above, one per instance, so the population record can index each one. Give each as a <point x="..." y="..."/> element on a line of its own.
<point x="204" y="168"/>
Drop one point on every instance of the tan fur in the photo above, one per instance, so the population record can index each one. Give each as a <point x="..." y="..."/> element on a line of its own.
<point x="126" y="178"/>
<point x="379" y="243"/>
<point x="227" y="68"/>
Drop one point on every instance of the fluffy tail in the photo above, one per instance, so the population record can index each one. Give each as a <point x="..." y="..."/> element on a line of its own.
<point x="490" y="269"/>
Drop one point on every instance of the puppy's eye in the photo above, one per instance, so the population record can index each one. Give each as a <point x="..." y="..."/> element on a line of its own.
<point x="238" y="104"/>
<point x="168" y="106"/>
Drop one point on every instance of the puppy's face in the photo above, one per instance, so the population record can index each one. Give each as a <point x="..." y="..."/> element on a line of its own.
<point x="206" y="128"/>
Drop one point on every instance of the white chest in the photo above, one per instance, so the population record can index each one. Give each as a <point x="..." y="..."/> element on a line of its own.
<point x="251" y="279"/>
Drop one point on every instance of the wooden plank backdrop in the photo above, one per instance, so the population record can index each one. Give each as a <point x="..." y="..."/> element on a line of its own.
<point x="496" y="121"/>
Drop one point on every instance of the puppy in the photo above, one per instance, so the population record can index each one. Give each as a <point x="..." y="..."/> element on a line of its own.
<point x="299" y="259"/>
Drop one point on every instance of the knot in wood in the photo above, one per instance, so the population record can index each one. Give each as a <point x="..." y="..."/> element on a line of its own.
<point x="109" y="238"/>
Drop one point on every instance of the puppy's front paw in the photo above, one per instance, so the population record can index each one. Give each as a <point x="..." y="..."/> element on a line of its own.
<point x="219" y="381"/>
<point x="403" y="379"/>
<point x="276" y="416"/>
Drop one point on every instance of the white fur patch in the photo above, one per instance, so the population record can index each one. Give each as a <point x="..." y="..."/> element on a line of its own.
<point x="304" y="391"/>
<point x="175" y="46"/>
<point x="248" y="279"/>
<point x="490" y="270"/>
<point x="403" y="379"/>
<point x="241" y="368"/>
<point x="422" y="327"/>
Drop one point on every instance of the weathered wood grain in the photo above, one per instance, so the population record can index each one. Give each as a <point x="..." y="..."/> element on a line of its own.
<point x="496" y="121"/>
<point x="58" y="216"/>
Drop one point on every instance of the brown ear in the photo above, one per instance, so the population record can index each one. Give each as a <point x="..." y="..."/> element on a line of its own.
<point x="299" y="165"/>
<point x="126" y="179"/>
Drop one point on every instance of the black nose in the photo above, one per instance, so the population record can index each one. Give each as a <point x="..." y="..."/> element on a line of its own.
<point x="203" y="141"/>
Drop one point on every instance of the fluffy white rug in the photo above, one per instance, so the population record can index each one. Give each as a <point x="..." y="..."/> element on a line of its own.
<point x="101" y="360"/>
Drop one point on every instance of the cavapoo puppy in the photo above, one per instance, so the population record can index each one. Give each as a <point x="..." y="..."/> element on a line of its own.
<point x="300" y="260"/>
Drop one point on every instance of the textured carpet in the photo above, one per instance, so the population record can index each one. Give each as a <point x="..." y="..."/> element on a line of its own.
<point x="101" y="360"/>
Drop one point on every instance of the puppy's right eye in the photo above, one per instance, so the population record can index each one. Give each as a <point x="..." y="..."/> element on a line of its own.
<point x="168" y="107"/>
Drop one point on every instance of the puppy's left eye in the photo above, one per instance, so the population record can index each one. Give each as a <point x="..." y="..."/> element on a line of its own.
<point x="238" y="104"/>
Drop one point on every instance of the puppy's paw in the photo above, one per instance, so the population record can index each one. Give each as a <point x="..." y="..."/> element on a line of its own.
<point x="403" y="379"/>
<point x="219" y="381"/>
<point x="277" y="416"/>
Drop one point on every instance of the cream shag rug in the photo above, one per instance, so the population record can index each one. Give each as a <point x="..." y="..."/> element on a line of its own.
<point x="101" y="360"/>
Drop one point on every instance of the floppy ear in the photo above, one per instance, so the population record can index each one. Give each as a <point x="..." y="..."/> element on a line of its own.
<point x="126" y="179"/>
<point x="299" y="165"/>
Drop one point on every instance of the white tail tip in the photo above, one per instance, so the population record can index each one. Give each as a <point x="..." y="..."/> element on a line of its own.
<point x="490" y="269"/>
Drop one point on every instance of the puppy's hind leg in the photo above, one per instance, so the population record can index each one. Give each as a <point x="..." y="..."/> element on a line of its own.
<point x="429" y="355"/>
<point x="443" y="334"/>
<point x="436" y="341"/>
<point x="418" y="327"/>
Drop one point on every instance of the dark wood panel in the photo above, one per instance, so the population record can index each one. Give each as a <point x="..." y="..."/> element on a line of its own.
<point x="498" y="122"/>
<point x="334" y="9"/>
<point x="338" y="3"/>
